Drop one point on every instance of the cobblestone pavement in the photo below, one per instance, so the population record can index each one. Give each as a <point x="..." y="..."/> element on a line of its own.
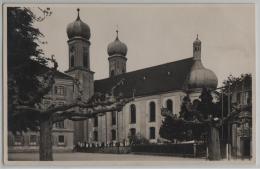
<point x="97" y="157"/>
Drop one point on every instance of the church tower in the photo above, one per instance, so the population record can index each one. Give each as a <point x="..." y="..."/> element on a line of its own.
<point x="79" y="67"/>
<point x="117" y="51"/>
<point x="200" y="76"/>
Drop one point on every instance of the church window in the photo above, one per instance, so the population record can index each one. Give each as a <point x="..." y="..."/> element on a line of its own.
<point x="152" y="111"/>
<point x="95" y="121"/>
<point x="85" y="57"/>
<point x="72" y="60"/>
<point x="112" y="73"/>
<point x="72" y="51"/>
<point x="169" y="105"/>
<point x="152" y="132"/>
<point x="132" y="114"/>
<point x="113" y="118"/>
<point x="113" y="133"/>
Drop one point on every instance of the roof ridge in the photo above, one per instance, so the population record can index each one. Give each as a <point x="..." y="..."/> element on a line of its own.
<point x="152" y="67"/>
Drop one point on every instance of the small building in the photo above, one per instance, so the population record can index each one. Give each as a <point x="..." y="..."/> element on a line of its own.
<point x="241" y="124"/>
<point x="61" y="93"/>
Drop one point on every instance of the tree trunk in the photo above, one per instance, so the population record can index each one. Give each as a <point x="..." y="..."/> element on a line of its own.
<point x="46" y="140"/>
<point x="214" y="144"/>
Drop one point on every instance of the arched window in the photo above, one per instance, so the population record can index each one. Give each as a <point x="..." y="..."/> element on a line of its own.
<point x="113" y="118"/>
<point x="152" y="111"/>
<point x="72" y="60"/>
<point x="169" y="105"/>
<point x="85" y="57"/>
<point x="96" y="121"/>
<point x="152" y="132"/>
<point x="112" y="73"/>
<point x="72" y="51"/>
<point x="113" y="133"/>
<point x="132" y="114"/>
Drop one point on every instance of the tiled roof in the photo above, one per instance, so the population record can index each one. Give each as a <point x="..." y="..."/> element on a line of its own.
<point x="57" y="74"/>
<point x="149" y="81"/>
<point x="61" y="75"/>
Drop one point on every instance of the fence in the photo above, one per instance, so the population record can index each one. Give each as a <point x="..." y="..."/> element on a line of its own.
<point x="185" y="150"/>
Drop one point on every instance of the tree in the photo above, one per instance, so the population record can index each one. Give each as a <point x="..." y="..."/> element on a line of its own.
<point x="29" y="80"/>
<point x="197" y="120"/>
<point x="24" y="63"/>
<point x="137" y="139"/>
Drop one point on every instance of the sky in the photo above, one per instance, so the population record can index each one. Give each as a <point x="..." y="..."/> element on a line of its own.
<point x="158" y="34"/>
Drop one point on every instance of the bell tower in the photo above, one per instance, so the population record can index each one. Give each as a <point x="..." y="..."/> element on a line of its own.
<point x="117" y="51"/>
<point x="79" y="67"/>
<point x="197" y="49"/>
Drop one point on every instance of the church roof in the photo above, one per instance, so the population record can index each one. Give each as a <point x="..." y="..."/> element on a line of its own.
<point x="152" y="80"/>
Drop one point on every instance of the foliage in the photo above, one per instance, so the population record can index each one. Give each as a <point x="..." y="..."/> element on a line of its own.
<point x="193" y="120"/>
<point x="171" y="149"/>
<point x="137" y="139"/>
<point x="25" y="60"/>
<point x="234" y="82"/>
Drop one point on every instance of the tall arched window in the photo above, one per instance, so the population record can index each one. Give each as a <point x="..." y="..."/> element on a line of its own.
<point x="72" y="60"/>
<point x="113" y="133"/>
<point x="169" y="105"/>
<point x="113" y="118"/>
<point x="132" y="114"/>
<point x="152" y="111"/>
<point x="96" y="121"/>
<point x="85" y="57"/>
<point x="112" y="73"/>
<point x="72" y="51"/>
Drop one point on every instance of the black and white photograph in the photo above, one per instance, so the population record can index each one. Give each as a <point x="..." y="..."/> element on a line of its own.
<point x="129" y="84"/>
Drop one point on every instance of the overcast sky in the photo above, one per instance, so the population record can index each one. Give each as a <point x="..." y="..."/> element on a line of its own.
<point x="157" y="34"/>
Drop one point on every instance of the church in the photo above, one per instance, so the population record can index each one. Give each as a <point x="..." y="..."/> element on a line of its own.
<point x="154" y="87"/>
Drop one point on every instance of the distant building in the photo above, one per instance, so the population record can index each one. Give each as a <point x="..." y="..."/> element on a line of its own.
<point x="61" y="93"/>
<point x="241" y="125"/>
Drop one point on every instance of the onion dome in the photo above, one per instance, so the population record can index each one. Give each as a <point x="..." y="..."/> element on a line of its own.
<point x="117" y="47"/>
<point x="201" y="77"/>
<point x="78" y="29"/>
